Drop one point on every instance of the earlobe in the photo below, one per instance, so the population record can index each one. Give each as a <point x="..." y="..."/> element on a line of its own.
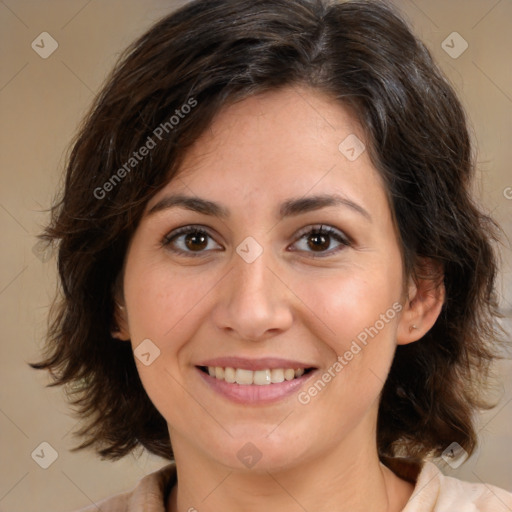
<point x="423" y="304"/>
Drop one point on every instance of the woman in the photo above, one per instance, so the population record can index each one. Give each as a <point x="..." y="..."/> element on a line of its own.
<point x="273" y="272"/>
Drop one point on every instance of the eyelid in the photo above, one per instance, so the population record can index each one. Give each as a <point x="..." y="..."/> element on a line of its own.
<point x="331" y="231"/>
<point x="325" y="228"/>
<point x="343" y="239"/>
<point x="184" y="230"/>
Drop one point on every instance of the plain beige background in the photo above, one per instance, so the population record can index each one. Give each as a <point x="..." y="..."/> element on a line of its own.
<point x="41" y="104"/>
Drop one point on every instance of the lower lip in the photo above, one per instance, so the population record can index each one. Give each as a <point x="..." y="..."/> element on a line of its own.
<point x="254" y="394"/>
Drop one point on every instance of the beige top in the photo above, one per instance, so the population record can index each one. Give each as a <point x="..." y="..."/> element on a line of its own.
<point x="433" y="492"/>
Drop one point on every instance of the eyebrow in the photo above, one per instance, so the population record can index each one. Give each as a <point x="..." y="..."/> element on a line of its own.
<point x="289" y="208"/>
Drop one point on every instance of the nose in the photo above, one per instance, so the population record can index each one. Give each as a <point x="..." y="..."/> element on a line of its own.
<point x="253" y="301"/>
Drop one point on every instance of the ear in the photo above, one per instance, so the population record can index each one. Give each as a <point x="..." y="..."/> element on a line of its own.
<point x="120" y="329"/>
<point x="423" y="303"/>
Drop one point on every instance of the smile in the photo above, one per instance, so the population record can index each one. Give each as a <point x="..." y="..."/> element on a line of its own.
<point x="246" y="377"/>
<point x="254" y="387"/>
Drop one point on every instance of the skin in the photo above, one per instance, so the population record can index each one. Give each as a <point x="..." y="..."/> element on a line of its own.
<point x="287" y="303"/>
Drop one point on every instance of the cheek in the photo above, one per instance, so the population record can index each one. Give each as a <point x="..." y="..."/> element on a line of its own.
<point x="162" y="307"/>
<point x="359" y="318"/>
<point x="160" y="301"/>
<point x="355" y="315"/>
<point x="349" y="301"/>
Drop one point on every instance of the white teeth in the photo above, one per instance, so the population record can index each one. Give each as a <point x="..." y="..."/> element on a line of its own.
<point x="277" y="375"/>
<point x="262" y="377"/>
<point x="229" y="374"/>
<point x="258" y="377"/>
<point x="242" y="376"/>
<point x="289" y="374"/>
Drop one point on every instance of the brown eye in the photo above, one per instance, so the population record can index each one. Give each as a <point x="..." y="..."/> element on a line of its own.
<point x="196" y="241"/>
<point x="189" y="241"/>
<point x="318" y="239"/>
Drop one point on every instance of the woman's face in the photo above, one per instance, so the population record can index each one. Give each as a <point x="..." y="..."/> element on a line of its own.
<point x="260" y="287"/>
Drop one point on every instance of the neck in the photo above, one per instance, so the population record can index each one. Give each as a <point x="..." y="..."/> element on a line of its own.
<point x="343" y="480"/>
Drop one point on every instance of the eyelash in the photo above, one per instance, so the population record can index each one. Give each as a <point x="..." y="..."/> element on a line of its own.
<point x="318" y="229"/>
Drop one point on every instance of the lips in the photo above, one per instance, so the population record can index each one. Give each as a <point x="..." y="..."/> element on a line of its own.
<point x="255" y="381"/>
<point x="250" y="393"/>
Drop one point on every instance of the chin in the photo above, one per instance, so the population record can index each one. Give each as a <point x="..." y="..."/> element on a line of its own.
<point x="257" y="454"/>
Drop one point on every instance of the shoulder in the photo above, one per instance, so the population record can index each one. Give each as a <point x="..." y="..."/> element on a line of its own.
<point x="435" y="492"/>
<point x="148" y="495"/>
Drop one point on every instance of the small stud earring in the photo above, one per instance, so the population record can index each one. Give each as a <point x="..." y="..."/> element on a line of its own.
<point x="412" y="328"/>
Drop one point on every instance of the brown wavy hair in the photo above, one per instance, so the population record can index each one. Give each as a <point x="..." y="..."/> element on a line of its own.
<point x="214" y="52"/>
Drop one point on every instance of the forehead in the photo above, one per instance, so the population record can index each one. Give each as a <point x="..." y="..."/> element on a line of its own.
<point x="276" y="145"/>
<point x="287" y="124"/>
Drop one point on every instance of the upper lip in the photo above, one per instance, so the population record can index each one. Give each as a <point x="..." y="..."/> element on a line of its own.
<point x="263" y="363"/>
